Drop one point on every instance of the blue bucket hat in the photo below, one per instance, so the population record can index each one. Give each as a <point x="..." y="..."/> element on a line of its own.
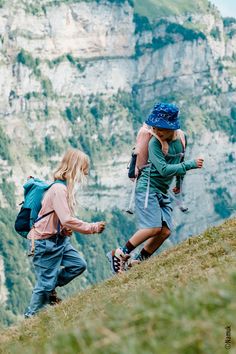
<point x="165" y="116"/>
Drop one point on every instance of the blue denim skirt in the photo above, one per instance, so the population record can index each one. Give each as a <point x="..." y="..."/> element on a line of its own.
<point x="158" y="212"/>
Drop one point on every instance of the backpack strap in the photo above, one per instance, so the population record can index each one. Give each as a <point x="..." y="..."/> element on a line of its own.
<point x="43" y="216"/>
<point x="129" y="210"/>
<point x="59" y="181"/>
<point x="164" y="144"/>
<point x="181" y="136"/>
<point x="148" y="188"/>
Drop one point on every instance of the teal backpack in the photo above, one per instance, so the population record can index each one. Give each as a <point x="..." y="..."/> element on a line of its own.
<point x="34" y="190"/>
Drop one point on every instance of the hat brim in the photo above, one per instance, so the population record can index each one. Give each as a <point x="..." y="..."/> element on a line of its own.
<point x="161" y="123"/>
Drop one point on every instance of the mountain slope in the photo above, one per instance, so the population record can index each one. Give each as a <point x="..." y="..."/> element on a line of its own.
<point x="178" y="302"/>
<point x="154" y="9"/>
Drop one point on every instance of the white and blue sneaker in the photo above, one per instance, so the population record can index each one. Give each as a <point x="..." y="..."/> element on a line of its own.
<point x="29" y="314"/>
<point x="118" y="260"/>
<point x="132" y="262"/>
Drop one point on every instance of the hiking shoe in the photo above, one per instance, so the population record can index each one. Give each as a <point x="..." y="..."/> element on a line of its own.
<point x="132" y="262"/>
<point x="118" y="260"/>
<point x="53" y="298"/>
<point x="28" y="315"/>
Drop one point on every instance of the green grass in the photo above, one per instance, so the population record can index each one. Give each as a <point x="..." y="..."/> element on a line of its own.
<point x="150" y="8"/>
<point x="176" y="303"/>
<point x="36" y="7"/>
<point x="154" y="9"/>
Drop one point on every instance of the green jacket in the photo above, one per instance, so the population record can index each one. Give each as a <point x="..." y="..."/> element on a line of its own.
<point x="163" y="168"/>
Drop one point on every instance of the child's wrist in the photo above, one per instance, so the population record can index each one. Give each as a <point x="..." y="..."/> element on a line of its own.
<point x="190" y="164"/>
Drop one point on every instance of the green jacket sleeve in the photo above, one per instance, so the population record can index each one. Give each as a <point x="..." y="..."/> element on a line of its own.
<point x="157" y="158"/>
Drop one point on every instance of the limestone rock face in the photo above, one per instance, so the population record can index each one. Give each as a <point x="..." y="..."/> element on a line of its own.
<point x="86" y="30"/>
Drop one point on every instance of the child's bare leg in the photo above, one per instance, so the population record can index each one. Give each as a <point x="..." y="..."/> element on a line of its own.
<point x="153" y="243"/>
<point x="144" y="234"/>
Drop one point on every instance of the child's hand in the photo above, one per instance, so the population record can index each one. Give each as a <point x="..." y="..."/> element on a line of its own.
<point x="176" y="190"/>
<point x="101" y="226"/>
<point x="199" y="162"/>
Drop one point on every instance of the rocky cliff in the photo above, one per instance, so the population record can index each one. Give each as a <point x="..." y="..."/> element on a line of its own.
<point x="85" y="74"/>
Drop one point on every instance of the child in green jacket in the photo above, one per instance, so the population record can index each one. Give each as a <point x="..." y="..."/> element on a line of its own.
<point x="152" y="202"/>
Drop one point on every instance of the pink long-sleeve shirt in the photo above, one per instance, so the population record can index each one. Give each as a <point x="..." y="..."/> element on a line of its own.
<point x="56" y="199"/>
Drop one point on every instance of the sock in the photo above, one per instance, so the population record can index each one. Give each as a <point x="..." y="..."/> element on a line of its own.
<point x="128" y="248"/>
<point x="143" y="255"/>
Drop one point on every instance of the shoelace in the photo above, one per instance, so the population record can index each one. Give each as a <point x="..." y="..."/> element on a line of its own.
<point x="120" y="263"/>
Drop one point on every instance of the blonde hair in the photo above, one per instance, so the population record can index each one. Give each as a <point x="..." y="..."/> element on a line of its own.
<point x="72" y="169"/>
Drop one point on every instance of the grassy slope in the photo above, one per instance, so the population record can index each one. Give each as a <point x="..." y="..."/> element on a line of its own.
<point x="154" y="9"/>
<point x="178" y="302"/>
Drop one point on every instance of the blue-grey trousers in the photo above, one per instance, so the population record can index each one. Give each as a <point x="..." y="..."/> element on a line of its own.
<point x="49" y="256"/>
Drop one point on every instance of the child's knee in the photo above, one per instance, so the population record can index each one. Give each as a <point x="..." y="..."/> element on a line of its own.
<point x="84" y="266"/>
<point x="165" y="232"/>
<point x="81" y="267"/>
<point x="155" y="231"/>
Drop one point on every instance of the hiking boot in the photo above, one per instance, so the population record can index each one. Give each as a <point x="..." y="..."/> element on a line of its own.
<point x="118" y="260"/>
<point x="53" y="298"/>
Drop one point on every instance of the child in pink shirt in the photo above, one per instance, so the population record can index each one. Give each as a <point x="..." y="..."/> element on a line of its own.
<point x="50" y="236"/>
